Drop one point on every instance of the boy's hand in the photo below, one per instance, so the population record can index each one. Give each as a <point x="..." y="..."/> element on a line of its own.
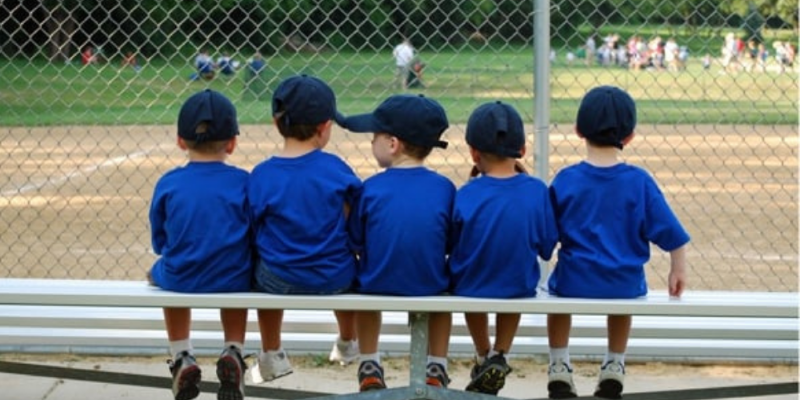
<point x="677" y="271"/>
<point x="677" y="283"/>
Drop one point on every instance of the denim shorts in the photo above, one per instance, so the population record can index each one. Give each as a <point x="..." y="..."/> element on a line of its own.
<point x="267" y="282"/>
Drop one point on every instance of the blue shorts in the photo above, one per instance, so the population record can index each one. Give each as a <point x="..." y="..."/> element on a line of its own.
<point x="267" y="282"/>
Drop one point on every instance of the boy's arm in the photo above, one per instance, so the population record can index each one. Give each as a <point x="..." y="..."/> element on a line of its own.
<point x="677" y="271"/>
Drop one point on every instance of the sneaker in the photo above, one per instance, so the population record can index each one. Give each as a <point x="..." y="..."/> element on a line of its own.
<point x="270" y="366"/>
<point x="490" y="376"/>
<point x="370" y="376"/>
<point x="185" y="376"/>
<point x="344" y="352"/>
<point x="437" y="376"/>
<point x="609" y="385"/>
<point x="230" y="372"/>
<point x="559" y="381"/>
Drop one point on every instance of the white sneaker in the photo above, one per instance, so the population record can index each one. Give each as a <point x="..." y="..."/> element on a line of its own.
<point x="610" y="382"/>
<point x="344" y="351"/>
<point x="559" y="381"/>
<point x="270" y="366"/>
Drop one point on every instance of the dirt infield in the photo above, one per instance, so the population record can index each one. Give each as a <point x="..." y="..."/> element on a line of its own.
<point x="75" y="199"/>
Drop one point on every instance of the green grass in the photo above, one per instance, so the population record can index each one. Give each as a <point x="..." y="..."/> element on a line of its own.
<point x="38" y="93"/>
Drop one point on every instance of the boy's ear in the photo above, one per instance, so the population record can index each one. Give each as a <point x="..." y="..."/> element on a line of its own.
<point x="230" y="146"/>
<point x="628" y="139"/>
<point x="323" y="126"/>
<point x="577" y="132"/>
<point x="182" y="144"/>
<point x="522" y="150"/>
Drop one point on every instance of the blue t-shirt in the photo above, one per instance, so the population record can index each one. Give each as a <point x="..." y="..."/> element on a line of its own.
<point x="607" y="218"/>
<point x="500" y="227"/>
<point x="200" y="227"/>
<point x="401" y="226"/>
<point x="298" y="212"/>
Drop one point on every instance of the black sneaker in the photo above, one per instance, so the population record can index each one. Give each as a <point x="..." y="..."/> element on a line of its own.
<point x="559" y="381"/>
<point x="490" y="376"/>
<point x="437" y="376"/>
<point x="610" y="382"/>
<point x="230" y="372"/>
<point x="370" y="376"/>
<point x="185" y="376"/>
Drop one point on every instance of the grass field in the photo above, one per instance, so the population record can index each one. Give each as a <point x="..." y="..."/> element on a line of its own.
<point x="39" y="93"/>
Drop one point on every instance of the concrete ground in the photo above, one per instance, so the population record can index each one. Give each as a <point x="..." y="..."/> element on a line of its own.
<point x="314" y="374"/>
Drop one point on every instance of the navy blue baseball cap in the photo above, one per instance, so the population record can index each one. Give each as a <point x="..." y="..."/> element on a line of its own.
<point x="607" y="115"/>
<point x="213" y="109"/>
<point x="305" y="100"/>
<point x="415" y="119"/>
<point x="496" y="128"/>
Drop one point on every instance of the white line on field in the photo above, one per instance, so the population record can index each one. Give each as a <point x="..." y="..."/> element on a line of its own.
<point x="54" y="181"/>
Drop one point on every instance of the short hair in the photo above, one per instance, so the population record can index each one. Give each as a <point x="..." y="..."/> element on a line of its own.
<point x="415" y="151"/>
<point x="300" y="132"/>
<point x="206" y="146"/>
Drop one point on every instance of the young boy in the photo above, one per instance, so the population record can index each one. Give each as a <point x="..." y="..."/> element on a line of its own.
<point x="608" y="213"/>
<point x="502" y="221"/>
<point x="402" y="226"/>
<point x="200" y="227"/>
<point x="299" y="200"/>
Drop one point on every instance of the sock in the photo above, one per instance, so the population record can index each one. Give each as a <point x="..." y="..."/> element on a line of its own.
<point x="178" y="346"/>
<point x="438" y="360"/>
<point x="491" y="353"/>
<point x="239" y="346"/>
<point x="619" y="357"/>
<point x="370" y="357"/>
<point x="560" y="354"/>
<point x="273" y="352"/>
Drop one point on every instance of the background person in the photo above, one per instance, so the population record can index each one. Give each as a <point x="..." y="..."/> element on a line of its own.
<point x="403" y="55"/>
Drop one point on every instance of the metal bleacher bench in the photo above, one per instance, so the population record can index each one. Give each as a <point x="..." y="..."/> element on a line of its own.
<point x="74" y="315"/>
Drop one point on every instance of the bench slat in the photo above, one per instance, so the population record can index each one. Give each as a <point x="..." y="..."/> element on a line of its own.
<point x="138" y="293"/>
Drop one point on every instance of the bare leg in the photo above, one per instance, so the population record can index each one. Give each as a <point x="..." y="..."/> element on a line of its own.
<point x="558" y="327"/>
<point x="439" y="327"/>
<point x="347" y="324"/>
<point x="619" y="330"/>
<point x="507" y="325"/>
<point x="178" y="322"/>
<point x="269" y="323"/>
<point x="478" y="325"/>
<point x="368" y="327"/>
<point x="234" y="324"/>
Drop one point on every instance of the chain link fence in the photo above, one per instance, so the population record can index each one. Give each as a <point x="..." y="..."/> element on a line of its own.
<point x="91" y="89"/>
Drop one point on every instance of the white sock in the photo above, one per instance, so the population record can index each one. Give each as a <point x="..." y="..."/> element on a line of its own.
<point x="273" y="352"/>
<point x="618" y="357"/>
<point x="491" y="353"/>
<point x="370" y="357"/>
<point x="178" y="346"/>
<point x="239" y="346"/>
<point x="438" y="360"/>
<point x="559" y="354"/>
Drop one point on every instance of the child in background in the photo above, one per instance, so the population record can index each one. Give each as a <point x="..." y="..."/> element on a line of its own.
<point x="402" y="226"/>
<point x="300" y="200"/>
<point x="608" y="213"/>
<point x="502" y="223"/>
<point x="200" y="226"/>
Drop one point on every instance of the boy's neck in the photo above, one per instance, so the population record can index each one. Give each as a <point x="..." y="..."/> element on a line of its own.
<point x="195" y="156"/>
<point x="500" y="169"/>
<point x="602" y="156"/>
<point x="404" y="161"/>
<point x="296" y="148"/>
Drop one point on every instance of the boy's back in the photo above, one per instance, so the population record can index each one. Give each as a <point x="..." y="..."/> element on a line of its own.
<point x="201" y="229"/>
<point x="502" y="226"/>
<point x="607" y="217"/>
<point x="298" y="208"/>
<point x="403" y="219"/>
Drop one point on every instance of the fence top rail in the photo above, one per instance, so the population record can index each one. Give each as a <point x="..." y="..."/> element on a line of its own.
<point x="66" y="292"/>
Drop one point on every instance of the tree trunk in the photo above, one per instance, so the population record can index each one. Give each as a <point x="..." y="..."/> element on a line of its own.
<point x="60" y="27"/>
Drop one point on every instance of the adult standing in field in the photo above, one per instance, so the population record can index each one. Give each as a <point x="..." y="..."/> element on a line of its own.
<point x="403" y="55"/>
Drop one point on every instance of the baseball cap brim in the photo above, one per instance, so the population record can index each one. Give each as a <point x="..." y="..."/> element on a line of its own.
<point x="361" y="123"/>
